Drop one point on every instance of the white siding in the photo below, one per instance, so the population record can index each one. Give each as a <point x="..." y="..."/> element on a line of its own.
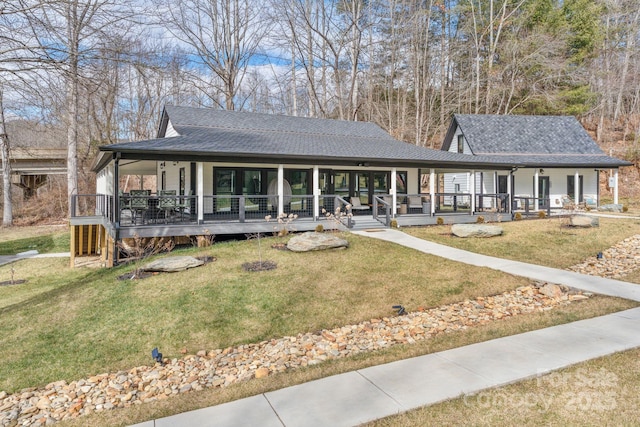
<point x="454" y="144"/>
<point x="170" y="131"/>
<point x="524" y="183"/>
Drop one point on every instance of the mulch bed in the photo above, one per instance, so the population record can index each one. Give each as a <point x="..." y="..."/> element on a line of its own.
<point x="259" y="266"/>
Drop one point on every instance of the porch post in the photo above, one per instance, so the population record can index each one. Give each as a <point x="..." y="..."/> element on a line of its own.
<point x="472" y="187"/>
<point x="200" y="191"/>
<point x="536" y="191"/>
<point x="576" y="188"/>
<point x="280" y="189"/>
<point x="116" y="191"/>
<point x="432" y="190"/>
<point x="509" y="193"/>
<point x="316" y="192"/>
<point x="394" y="197"/>
<point x="615" y="187"/>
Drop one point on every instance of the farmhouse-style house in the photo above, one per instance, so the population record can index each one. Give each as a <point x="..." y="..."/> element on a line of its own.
<point x="556" y="159"/>
<point x="223" y="172"/>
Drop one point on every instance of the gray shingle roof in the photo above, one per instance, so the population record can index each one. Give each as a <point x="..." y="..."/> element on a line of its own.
<point x="531" y="140"/>
<point x="209" y="133"/>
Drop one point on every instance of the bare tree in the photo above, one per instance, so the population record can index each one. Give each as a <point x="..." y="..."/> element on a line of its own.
<point x="225" y="35"/>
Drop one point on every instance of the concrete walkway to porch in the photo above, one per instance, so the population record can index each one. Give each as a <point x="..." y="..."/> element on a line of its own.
<point x="364" y="395"/>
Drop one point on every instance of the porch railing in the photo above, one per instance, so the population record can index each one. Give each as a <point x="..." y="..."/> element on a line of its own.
<point x="382" y="209"/>
<point x="92" y="205"/>
<point x="337" y="208"/>
<point x="526" y="205"/>
<point x="492" y="202"/>
<point x="453" y="202"/>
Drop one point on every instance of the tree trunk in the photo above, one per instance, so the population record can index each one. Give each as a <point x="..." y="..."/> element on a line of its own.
<point x="7" y="213"/>
<point x="72" y="78"/>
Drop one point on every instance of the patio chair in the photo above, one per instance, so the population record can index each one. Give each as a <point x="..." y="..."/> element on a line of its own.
<point x="139" y="203"/>
<point x="167" y="203"/>
<point x="415" y="202"/>
<point x="125" y="205"/>
<point x="184" y="204"/>
<point x="356" y="205"/>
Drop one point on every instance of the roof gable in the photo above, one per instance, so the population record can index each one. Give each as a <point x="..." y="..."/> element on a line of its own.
<point x="494" y="134"/>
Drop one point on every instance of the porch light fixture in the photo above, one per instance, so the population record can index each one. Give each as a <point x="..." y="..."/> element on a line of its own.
<point x="364" y="164"/>
<point x="162" y="165"/>
<point x="541" y="170"/>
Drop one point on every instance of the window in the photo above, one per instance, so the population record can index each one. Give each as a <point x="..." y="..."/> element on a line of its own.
<point x="163" y="180"/>
<point x="460" y="143"/>
<point x="182" y="182"/>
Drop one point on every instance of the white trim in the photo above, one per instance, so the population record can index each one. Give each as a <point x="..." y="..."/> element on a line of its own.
<point x="200" y="190"/>
<point x="316" y="192"/>
<point x="394" y="196"/>
<point x="615" y="188"/>
<point x="280" y="189"/>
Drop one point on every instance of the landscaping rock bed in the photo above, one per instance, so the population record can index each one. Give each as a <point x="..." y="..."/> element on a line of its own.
<point x="222" y="367"/>
<point x="616" y="262"/>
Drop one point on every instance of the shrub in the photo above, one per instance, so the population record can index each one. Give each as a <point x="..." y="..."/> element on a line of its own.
<point x="319" y="228"/>
<point x="625" y="208"/>
<point x="542" y="214"/>
<point x="440" y="220"/>
<point x="517" y="216"/>
<point x="480" y="219"/>
<point x="394" y="223"/>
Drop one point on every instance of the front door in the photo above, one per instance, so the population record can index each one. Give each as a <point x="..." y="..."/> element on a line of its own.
<point x="543" y="192"/>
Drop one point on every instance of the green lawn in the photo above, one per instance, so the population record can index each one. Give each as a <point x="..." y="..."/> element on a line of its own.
<point x="545" y="242"/>
<point x="71" y="323"/>
<point x="45" y="239"/>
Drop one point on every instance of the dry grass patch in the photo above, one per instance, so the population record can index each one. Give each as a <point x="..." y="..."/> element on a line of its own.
<point x="545" y="242"/>
<point x="604" y="391"/>
<point x="16" y="233"/>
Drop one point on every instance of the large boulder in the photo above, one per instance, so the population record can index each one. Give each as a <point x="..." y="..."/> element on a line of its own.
<point x="173" y="263"/>
<point x="584" y="221"/>
<point x="312" y="241"/>
<point x="614" y="207"/>
<point x="476" y="230"/>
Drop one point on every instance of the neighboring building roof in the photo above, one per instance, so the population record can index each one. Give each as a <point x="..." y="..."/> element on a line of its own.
<point x="229" y="135"/>
<point x="549" y="141"/>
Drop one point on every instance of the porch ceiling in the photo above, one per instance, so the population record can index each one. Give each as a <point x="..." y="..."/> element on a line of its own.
<point x="137" y="167"/>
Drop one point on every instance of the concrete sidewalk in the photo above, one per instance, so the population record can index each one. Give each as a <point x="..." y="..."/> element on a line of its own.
<point x="356" y="397"/>
<point x="7" y="259"/>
